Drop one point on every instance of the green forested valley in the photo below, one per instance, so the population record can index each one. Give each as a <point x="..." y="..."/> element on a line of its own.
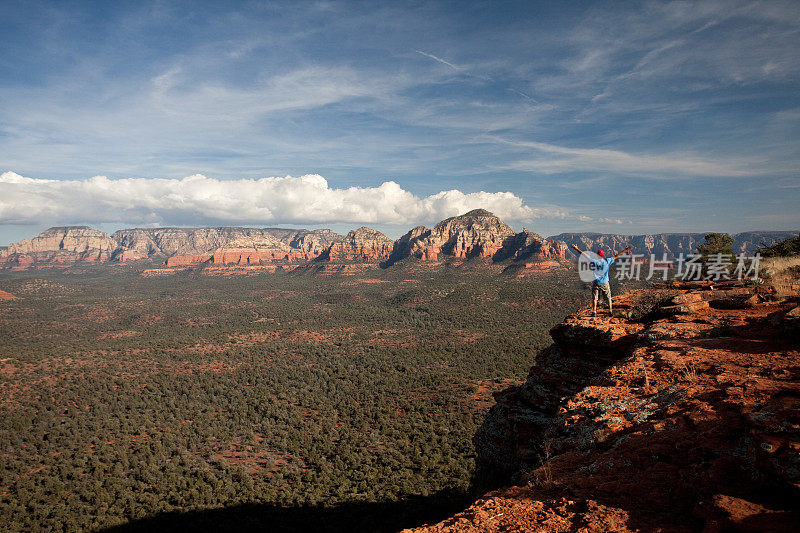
<point x="125" y="397"/>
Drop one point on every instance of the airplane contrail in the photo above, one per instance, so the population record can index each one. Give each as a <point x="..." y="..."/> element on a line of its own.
<point x="520" y="93"/>
<point x="439" y="59"/>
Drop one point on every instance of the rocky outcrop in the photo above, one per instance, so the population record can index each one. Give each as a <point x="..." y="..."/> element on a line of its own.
<point x="260" y="247"/>
<point x="163" y="243"/>
<point x="68" y="239"/>
<point x="311" y="243"/>
<point x="6" y="295"/>
<point x="528" y="245"/>
<point x="169" y="242"/>
<point x="361" y="245"/>
<point x="137" y="244"/>
<point x="684" y="419"/>
<point x="188" y="260"/>
<point x="669" y="244"/>
<point x="254" y="249"/>
<point x="60" y="245"/>
<point x="403" y="247"/>
<point x="477" y="233"/>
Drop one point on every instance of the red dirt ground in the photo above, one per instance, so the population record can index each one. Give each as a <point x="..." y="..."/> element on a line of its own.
<point x="719" y="454"/>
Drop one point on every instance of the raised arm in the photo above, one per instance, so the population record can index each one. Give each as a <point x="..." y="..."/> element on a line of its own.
<point x="580" y="252"/>
<point x="622" y="252"/>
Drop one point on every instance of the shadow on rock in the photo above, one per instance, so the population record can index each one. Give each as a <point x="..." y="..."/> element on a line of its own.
<point x="351" y="517"/>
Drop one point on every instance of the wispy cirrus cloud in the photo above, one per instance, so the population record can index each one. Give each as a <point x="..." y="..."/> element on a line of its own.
<point x="552" y="159"/>
<point x="303" y="88"/>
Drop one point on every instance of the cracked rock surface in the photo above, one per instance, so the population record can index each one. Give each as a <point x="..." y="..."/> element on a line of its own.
<point x="688" y="420"/>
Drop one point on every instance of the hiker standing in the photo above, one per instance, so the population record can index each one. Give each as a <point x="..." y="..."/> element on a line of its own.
<point x="601" y="266"/>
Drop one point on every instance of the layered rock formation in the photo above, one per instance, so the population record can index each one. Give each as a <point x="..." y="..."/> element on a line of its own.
<point x="683" y="420"/>
<point x="477" y="233"/>
<point x="271" y="246"/>
<point x="404" y="246"/>
<point x="227" y="245"/>
<point x="188" y="260"/>
<point x="254" y="249"/>
<point x="671" y="244"/>
<point x="68" y="244"/>
<point x="361" y="245"/>
<point x="526" y="245"/>
<point x="176" y="246"/>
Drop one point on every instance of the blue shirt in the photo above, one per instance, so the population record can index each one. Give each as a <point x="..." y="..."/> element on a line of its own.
<point x="601" y="269"/>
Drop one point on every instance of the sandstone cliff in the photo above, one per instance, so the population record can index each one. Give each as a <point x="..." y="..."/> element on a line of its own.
<point x="477" y="233"/>
<point x="361" y="245"/>
<point x="253" y="249"/>
<point x="685" y="419"/>
<point x="312" y="243"/>
<point x="180" y="244"/>
<point x="526" y="245"/>
<point x="403" y="247"/>
<point x="60" y="245"/>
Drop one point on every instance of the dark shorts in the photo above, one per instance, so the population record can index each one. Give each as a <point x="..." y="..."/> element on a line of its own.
<point x="598" y="288"/>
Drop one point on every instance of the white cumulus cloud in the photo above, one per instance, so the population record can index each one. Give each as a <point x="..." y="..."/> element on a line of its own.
<point x="198" y="200"/>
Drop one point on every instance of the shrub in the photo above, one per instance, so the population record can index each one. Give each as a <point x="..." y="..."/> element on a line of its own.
<point x="647" y="303"/>
<point x="716" y="243"/>
<point x="785" y="248"/>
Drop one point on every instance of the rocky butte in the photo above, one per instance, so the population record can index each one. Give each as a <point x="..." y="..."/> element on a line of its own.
<point x="476" y="234"/>
<point x="363" y="244"/>
<point x="61" y="245"/>
<point x="681" y="413"/>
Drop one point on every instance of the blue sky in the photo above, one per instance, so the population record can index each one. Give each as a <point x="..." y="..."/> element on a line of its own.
<point x="611" y="117"/>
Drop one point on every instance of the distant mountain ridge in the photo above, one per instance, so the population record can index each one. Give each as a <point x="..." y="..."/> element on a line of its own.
<point x="669" y="244"/>
<point x="477" y="234"/>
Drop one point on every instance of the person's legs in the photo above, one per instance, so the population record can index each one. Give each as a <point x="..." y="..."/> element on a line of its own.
<point x="595" y="297"/>
<point x="605" y="288"/>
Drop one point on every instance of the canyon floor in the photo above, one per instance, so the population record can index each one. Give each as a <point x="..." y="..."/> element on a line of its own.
<point x="687" y="419"/>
